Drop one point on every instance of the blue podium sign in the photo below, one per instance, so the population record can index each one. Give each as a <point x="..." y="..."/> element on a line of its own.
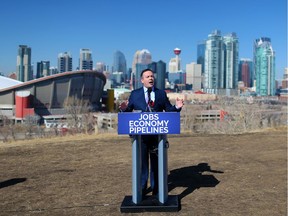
<point x="148" y="123"/>
<point x="140" y="123"/>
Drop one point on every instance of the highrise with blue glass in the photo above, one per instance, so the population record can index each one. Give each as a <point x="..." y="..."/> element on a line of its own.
<point x="201" y="46"/>
<point x="119" y="64"/>
<point x="159" y="69"/>
<point x="264" y="63"/>
<point x="221" y="62"/>
<point x="231" y="61"/>
<point x="43" y="69"/>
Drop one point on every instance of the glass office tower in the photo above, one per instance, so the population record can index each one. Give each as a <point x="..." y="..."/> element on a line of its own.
<point x="264" y="63"/>
<point x="214" y="61"/>
<point x="201" y="46"/>
<point x="119" y="64"/>
<point x="43" y="69"/>
<point x="231" y="61"/>
<point x="24" y="68"/>
<point x="159" y="69"/>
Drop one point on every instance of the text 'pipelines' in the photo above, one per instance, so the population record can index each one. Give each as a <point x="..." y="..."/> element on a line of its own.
<point x="148" y="124"/>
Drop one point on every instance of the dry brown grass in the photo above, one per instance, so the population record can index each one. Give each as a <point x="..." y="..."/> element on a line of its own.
<point x="91" y="174"/>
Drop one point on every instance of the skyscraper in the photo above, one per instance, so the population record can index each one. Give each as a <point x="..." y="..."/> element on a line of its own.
<point x="246" y="72"/>
<point x="85" y="61"/>
<point x="214" y="61"/>
<point x="135" y="61"/>
<point x="140" y="62"/>
<point x="100" y="66"/>
<point x="24" y="68"/>
<point x="231" y="61"/>
<point x="137" y="78"/>
<point x="141" y="57"/>
<point x="264" y="63"/>
<point x="119" y="64"/>
<point x="53" y="70"/>
<point x="193" y="75"/>
<point x="43" y="69"/>
<point x="64" y="62"/>
<point x="284" y="81"/>
<point x="159" y="69"/>
<point x="221" y="68"/>
<point x="201" y="46"/>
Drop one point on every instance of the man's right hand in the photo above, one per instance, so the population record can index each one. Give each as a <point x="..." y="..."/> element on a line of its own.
<point x="123" y="105"/>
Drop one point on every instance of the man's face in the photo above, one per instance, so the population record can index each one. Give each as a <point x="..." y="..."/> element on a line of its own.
<point x="147" y="79"/>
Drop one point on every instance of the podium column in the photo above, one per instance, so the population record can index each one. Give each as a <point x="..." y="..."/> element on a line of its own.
<point x="136" y="170"/>
<point x="162" y="169"/>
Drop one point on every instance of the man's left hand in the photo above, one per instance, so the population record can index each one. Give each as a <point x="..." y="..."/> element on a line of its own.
<point x="179" y="103"/>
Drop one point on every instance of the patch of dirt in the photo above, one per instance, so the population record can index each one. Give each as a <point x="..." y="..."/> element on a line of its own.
<point x="90" y="175"/>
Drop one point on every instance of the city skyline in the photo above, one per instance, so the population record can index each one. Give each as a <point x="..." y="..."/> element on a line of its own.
<point x="158" y="26"/>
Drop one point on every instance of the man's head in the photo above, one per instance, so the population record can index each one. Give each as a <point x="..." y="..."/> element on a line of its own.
<point x="147" y="78"/>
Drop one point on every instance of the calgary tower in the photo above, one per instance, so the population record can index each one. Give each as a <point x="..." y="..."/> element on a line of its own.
<point x="177" y="52"/>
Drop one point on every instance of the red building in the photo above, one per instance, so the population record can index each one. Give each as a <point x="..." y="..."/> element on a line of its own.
<point x="245" y="74"/>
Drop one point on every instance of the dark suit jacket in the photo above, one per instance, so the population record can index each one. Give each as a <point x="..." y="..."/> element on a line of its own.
<point x="137" y="101"/>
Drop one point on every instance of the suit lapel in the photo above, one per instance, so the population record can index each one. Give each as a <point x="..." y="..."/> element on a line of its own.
<point x="156" y="95"/>
<point x="157" y="99"/>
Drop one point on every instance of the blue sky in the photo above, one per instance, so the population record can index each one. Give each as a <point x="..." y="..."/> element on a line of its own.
<point x="104" y="26"/>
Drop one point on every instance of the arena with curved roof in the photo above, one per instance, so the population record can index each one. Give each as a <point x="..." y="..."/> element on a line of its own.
<point x="47" y="95"/>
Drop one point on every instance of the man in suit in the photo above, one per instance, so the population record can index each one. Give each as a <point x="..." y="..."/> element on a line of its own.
<point x="150" y="99"/>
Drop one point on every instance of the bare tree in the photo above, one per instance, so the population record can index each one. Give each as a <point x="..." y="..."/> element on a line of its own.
<point x="4" y="129"/>
<point x="88" y="122"/>
<point x="188" y="117"/>
<point x="240" y="116"/>
<point x="30" y="124"/>
<point x="76" y="108"/>
<point x="8" y="129"/>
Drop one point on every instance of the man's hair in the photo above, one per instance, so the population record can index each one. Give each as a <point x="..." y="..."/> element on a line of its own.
<point x="143" y="71"/>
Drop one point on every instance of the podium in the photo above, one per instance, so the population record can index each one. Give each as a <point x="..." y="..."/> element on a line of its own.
<point x="156" y="123"/>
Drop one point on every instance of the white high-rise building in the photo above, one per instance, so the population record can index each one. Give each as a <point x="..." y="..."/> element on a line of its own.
<point x="173" y="66"/>
<point x="214" y="61"/>
<point x="53" y="70"/>
<point x="100" y="66"/>
<point x="141" y="57"/>
<point x="193" y="75"/>
<point x="64" y="62"/>
<point x="85" y="61"/>
<point x="141" y="60"/>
